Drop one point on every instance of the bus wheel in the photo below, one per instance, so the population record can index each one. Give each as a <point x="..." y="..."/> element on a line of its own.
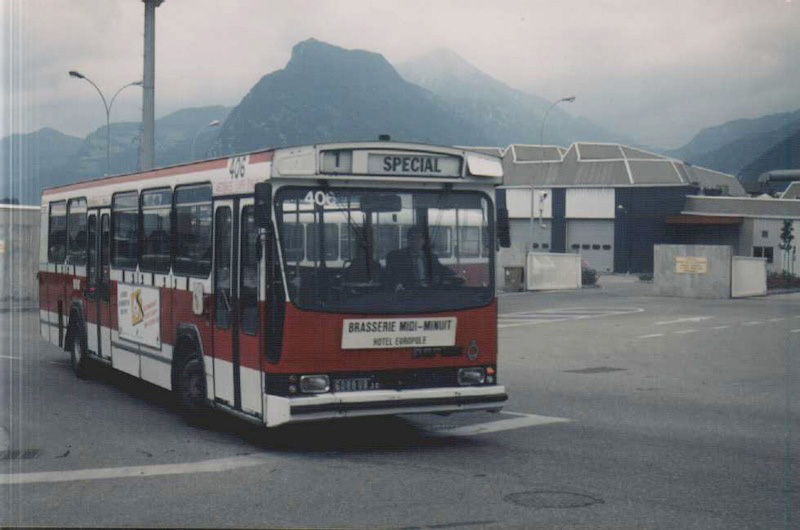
<point x="81" y="364"/>
<point x="191" y="387"/>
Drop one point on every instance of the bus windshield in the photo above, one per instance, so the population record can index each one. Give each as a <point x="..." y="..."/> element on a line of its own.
<point x="386" y="251"/>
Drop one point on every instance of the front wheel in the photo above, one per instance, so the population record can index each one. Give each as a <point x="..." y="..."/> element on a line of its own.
<point x="191" y="387"/>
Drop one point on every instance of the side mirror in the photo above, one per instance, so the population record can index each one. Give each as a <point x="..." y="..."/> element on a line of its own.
<point x="263" y="201"/>
<point x="503" y="228"/>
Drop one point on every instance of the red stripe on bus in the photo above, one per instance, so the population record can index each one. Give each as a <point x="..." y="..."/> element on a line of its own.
<point x="170" y="171"/>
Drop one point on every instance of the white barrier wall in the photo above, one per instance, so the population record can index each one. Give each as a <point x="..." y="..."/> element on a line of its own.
<point x="748" y="277"/>
<point x="552" y="271"/>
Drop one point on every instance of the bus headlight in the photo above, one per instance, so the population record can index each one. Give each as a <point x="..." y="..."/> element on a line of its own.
<point x="314" y="384"/>
<point x="471" y="376"/>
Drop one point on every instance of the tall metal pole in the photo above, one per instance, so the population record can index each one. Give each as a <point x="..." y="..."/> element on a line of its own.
<point x="147" y="160"/>
<point x="569" y="99"/>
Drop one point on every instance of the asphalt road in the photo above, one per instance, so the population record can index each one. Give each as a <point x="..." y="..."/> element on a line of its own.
<point x="626" y="410"/>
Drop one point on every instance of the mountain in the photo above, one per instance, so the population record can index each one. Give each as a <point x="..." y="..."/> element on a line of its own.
<point x="505" y="114"/>
<point x="783" y="155"/>
<point x="733" y="145"/>
<point x="32" y="159"/>
<point x="326" y="93"/>
<point x="174" y="135"/>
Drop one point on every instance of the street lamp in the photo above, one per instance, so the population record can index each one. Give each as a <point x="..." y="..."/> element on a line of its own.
<point x="214" y="123"/>
<point x="78" y="75"/>
<point x="568" y="99"/>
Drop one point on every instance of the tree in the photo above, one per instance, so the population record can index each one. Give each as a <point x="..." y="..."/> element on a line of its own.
<point x="787" y="246"/>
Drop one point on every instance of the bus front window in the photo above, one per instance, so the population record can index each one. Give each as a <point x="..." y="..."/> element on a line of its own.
<point x="379" y="251"/>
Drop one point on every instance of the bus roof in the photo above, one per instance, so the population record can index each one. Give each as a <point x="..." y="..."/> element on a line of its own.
<point x="329" y="159"/>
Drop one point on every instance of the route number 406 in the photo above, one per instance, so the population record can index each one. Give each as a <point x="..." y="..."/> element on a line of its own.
<point x="237" y="166"/>
<point x="320" y="198"/>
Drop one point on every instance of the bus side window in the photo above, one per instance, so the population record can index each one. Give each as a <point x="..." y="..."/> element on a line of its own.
<point x="156" y="208"/>
<point x="222" y="268"/>
<point x="125" y="230"/>
<point x="105" y="254"/>
<point x="192" y="232"/>
<point x="76" y="232"/>
<point x="91" y="252"/>
<point x="57" y="233"/>
<point x="248" y="277"/>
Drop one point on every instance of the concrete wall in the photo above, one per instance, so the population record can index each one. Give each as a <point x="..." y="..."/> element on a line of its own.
<point x="19" y="252"/>
<point x="748" y="277"/>
<point x="713" y="282"/>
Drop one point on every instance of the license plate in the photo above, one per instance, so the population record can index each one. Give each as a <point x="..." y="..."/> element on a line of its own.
<point x="354" y="384"/>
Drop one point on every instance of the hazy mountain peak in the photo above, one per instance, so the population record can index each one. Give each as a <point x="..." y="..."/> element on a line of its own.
<point x="444" y="60"/>
<point x="314" y="56"/>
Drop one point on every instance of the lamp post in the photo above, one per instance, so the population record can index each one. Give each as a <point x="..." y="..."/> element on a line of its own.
<point x="213" y="123"/>
<point x="568" y="99"/>
<point x="107" y="106"/>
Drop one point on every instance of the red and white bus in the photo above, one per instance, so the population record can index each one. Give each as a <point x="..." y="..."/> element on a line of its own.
<point x="272" y="285"/>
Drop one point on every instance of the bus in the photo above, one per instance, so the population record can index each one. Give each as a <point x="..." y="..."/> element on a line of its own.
<point x="286" y="285"/>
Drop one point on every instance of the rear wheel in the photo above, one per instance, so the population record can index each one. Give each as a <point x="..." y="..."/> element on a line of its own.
<point x="81" y="364"/>
<point x="191" y="387"/>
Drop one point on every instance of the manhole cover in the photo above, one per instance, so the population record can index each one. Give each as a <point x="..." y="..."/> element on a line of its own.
<point x="595" y="370"/>
<point x="552" y="499"/>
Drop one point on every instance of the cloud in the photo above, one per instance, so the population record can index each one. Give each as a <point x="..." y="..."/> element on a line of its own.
<point x="656" y="70"/>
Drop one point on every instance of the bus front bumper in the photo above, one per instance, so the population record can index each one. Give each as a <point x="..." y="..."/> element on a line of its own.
<point x="281" y="410"/>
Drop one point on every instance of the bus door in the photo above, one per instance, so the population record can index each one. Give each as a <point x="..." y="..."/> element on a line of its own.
<point x="97" y="275"/>
<point x="227" y="334"/>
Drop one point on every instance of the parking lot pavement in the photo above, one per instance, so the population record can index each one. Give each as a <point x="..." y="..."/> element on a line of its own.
<point x="625" y="410"/>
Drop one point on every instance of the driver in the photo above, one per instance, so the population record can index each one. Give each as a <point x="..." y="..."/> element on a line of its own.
<point x="414" y="266"/>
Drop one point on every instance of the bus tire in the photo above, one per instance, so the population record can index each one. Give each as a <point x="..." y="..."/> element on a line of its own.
<point x="191" y="387"/>
<point x="79" y="357"/>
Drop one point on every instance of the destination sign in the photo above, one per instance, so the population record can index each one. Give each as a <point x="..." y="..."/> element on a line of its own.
<point x="398" y="332"/>
<point x="413" y="165"/>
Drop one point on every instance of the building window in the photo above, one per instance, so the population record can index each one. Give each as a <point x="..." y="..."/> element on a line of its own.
<point x="576" y="246"/>
<point x="585" y="246"/>
<point x="595" y="247"/>
<point x="536" y="245"/>
<point x="545" y="245"/>
<point x="606" y="247"/>
<point x="763" y="252"/>
<point x="765" y="233"/>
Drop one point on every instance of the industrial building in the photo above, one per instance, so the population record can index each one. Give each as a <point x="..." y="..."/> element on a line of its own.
<point x="611" y="203"/>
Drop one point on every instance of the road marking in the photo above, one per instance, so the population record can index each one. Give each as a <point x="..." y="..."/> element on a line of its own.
<point x="720" y="327"/>
<point x="654" y="335"/>
<point x="680" y="320"/>
<point x="780" y="319"/>
<point x="795" y="331"/>
<point x="520" y="422"/>
<point x="527" y="318"/>
<point x="685" y="331"/>
<point x="752" y="323"/>
<point x="12" y="357"/>
<point x="206" y="466"/>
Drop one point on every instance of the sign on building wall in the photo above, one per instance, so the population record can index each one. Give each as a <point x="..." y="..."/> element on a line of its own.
<point x="691" y="265"/>
<point x="139" y="313"/>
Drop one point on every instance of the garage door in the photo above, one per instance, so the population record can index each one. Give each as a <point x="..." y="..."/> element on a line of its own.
<point x="594" y="241"/>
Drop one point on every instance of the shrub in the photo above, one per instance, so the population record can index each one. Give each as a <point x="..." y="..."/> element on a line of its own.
<point x="588" y="276"/>
<point x="782" y="280"/>
<point x="646" y="277"/>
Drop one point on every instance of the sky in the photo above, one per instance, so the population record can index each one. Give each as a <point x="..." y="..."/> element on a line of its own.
<point x="657" y="71"/>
